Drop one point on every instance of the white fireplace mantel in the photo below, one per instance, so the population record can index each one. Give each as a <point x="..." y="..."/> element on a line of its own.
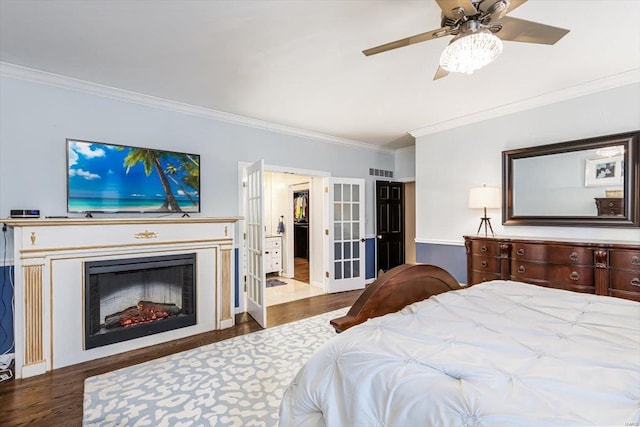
<point x="49" y="256"/>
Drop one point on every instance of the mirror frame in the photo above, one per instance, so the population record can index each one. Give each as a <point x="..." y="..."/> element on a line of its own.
<point x="631" y="188"/>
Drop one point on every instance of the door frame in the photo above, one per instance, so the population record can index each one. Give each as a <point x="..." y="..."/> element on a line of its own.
<point x="241" y="229"/>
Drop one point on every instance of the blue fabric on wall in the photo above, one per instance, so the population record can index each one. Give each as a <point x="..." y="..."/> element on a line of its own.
<point x="6" y="310"/>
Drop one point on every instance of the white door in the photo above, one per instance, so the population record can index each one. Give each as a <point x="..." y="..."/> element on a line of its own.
<point x="346" y="235"/>
<point x="256" y="277"/>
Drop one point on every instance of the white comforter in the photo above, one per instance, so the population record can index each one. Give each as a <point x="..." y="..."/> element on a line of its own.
<point x="496" y="354"/>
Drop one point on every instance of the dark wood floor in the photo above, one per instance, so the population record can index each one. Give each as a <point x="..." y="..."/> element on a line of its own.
<point x="55" y="398"/>
<point x="301" y="269"/>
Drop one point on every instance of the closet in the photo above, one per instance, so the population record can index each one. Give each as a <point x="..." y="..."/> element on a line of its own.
<point x="301" y="224"/>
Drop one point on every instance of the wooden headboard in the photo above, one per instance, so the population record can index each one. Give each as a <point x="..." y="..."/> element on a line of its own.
<point x="394" y="290"/>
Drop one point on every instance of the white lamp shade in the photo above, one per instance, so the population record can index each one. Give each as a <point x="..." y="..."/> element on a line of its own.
<point x="484" y="197"/>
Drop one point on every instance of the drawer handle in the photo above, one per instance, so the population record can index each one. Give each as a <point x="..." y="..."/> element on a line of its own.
<point x="574" y="276"/>
<point x="635" y="260"/>
<point x="573" y="256"/>
<point x="635" y="282"/>
<point x="484" y="249"/>
<point x="520" y="251"/>
<point x="521" y="269"/>
<point x="610" y="204"/>
<point x="484" y="263"/>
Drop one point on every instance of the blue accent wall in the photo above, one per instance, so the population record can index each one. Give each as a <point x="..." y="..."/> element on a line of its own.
<point x="6" y="310"/>
<point x="370" y="258"/>
<point x="452" y="258"/>
<point x="237" y="276"/>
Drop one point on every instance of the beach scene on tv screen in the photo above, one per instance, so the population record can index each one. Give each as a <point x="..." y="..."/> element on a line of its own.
<point x="115" y="178"/>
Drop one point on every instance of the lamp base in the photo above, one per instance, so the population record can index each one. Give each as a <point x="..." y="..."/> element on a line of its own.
<point x="487" y="223"/>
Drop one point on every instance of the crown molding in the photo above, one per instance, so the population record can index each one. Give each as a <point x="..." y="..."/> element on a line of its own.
<point x="19" y="72"/>
<point x="594" y="86"/>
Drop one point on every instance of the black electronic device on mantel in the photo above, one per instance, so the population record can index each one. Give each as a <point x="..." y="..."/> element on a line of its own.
<point x="25" y="213"/>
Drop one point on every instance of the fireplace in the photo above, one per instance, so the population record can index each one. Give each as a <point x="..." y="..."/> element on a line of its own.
<point x="135" y="297"/>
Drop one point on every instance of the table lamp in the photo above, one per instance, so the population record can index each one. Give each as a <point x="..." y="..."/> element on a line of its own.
<point x="482" y="198"/>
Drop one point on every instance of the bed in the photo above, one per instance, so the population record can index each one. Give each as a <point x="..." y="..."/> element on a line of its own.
<point x="499" y="353"/>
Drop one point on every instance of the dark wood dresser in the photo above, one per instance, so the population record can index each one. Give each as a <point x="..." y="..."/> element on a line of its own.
<point x="609" y="206"/>
<point x="602" y="268"/>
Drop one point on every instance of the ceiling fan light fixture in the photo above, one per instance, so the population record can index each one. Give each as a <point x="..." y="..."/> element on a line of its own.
<point x="472" y="51"/>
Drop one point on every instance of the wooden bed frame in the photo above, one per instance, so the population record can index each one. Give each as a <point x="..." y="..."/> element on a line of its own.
<point x="601" y="268"/>
<point x="394" y="290"/>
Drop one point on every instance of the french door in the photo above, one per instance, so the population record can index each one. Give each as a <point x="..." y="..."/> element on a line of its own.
<point x="256" y="277"/>
<point x="346" y="247"/>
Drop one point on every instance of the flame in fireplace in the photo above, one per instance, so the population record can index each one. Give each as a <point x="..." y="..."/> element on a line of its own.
<point x="143" y="312"/>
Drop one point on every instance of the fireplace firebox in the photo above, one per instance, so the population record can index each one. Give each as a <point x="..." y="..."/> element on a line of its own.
<point x="135" y="297"/>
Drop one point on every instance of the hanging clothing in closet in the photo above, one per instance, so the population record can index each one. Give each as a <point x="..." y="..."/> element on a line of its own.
<point x="300" y="204"/>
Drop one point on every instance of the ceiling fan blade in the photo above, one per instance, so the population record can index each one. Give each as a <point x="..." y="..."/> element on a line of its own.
<point x="440" y="73"/>
<point x="456" y="9"/>
<point x="519" y="30"/>
<point x="515" y="3"/>
<point x="418" y="38"/>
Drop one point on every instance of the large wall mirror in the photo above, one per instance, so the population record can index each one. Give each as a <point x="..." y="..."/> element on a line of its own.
<point x="589" y="182"/>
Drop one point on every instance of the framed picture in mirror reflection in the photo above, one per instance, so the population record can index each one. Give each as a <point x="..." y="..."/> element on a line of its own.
<point x="604" y="171"/>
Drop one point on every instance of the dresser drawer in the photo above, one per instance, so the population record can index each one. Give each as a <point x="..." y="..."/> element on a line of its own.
<point x="275" y="242"/>
<point x="610" y="206"/>
<point x="485" y="248"/>
<point x="483" y="263"/>
<point x="562" y="274"/>
<point x="625" y="280"/>
<point x="629" y="260"/>
<point x="553" y="254"/>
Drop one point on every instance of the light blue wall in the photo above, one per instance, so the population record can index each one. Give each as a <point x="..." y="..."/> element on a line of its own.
<point x="453" y="161"/>
<point x="405" y="164"/>
<point x="452" y="258"/>
<point x="36" y="118"/>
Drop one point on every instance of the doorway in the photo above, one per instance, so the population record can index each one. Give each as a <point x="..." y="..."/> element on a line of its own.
<point x="289" y="197"/>
<point x="390" y="250"/>
<point x="336" y="221"/>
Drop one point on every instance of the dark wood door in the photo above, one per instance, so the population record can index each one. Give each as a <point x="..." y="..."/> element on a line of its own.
<point x="389" y="224"/>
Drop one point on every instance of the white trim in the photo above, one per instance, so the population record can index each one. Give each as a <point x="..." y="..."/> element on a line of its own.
<point x="440" y="242"/>
<point x="18" y="72"/>
<point x="6" y="263"/>
<point x="616" y="80"/>
<point x="295" y="171"/>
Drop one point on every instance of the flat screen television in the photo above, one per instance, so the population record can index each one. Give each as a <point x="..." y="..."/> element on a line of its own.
<point x="118" y="178"/>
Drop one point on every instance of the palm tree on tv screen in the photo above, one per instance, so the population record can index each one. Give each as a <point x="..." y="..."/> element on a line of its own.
<point x="150" y="160"/>
<point x="192" y="178"/>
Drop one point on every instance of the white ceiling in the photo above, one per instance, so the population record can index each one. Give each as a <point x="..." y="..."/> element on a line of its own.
<point x="298" y="63"/>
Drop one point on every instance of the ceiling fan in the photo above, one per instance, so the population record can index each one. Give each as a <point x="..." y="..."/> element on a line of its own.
<point x="479" y="26"/>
